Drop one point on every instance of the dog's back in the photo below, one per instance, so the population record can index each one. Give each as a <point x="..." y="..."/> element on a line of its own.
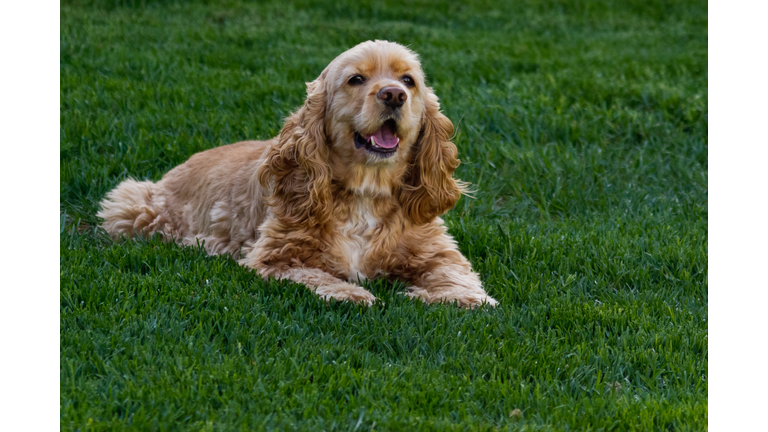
<point x="214" y="198"/>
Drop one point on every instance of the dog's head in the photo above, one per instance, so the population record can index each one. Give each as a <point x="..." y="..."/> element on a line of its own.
<point x="370" y="123"/>
<point x="376" y="101"/>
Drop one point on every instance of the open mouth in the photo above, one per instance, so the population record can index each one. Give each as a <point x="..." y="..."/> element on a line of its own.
<point x="383" y="141"/>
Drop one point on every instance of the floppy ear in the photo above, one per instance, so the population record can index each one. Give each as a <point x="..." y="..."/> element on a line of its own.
<point x="429" y="189"/>
<point x="295" y="172"/>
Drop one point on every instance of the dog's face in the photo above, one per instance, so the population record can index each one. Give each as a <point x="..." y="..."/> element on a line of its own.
<point x="371" y="125"/>
<point x="375" y="104"/>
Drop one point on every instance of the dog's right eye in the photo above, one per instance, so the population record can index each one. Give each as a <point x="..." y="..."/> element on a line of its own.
<point x="356" y="80"/>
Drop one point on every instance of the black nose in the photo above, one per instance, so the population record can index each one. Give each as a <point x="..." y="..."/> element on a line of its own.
<point x="393" y="96"/>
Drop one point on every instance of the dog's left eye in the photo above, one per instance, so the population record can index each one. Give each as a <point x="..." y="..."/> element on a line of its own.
<point x="356" y="80"/>
<point x="408" y="81"/>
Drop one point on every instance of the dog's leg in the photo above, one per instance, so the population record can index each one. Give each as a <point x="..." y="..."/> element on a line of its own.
<point x="448" y="284"/>
<point x="440" y="273"/>
<point x="324" y="284"/>
<point x="286" y="252"/>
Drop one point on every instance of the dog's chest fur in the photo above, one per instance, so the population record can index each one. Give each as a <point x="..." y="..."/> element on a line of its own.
<point x="353" y="240"/>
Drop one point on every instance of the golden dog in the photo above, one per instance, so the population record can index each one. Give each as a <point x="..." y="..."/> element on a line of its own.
<point x="351" y="189"/>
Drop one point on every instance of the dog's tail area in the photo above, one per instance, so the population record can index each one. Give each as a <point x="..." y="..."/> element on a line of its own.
<point x="127" y="210"/>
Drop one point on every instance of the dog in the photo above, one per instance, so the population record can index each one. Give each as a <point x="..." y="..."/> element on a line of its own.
<point x="351" y="189"/>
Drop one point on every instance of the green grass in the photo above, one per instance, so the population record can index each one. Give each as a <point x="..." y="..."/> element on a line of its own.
<point x="583" y="127"/>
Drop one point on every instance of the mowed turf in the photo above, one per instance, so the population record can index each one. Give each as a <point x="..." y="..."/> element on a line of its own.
<point x="583" y="128"/>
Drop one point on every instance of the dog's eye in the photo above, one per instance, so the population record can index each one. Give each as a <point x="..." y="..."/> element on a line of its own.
<point x="356" y="80"/>
<point x="408" y="81"/>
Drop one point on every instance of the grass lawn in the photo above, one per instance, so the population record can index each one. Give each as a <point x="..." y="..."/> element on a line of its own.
<point x="582" y="125"/>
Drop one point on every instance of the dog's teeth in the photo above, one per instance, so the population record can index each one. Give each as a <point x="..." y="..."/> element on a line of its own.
<point x="373" y="141"/>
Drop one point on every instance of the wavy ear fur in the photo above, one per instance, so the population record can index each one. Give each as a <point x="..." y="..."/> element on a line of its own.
<point x="296" y="172"/>
<point x="429" y="189"/>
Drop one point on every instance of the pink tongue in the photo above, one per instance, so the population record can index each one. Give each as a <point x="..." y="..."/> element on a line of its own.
<point x="384" y="137"/>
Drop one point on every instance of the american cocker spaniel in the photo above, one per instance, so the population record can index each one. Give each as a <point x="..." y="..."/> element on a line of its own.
<point x="351" y="189"/>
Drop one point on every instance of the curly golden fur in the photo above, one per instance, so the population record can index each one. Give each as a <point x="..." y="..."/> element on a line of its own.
<point x="351" y="189"/>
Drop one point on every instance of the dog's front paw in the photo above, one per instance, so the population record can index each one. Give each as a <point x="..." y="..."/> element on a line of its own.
<point x="471" y="300"/>
<point x="346" y="292"/>
<point x="487" y="300"/>
<point x="467" y="299"/>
